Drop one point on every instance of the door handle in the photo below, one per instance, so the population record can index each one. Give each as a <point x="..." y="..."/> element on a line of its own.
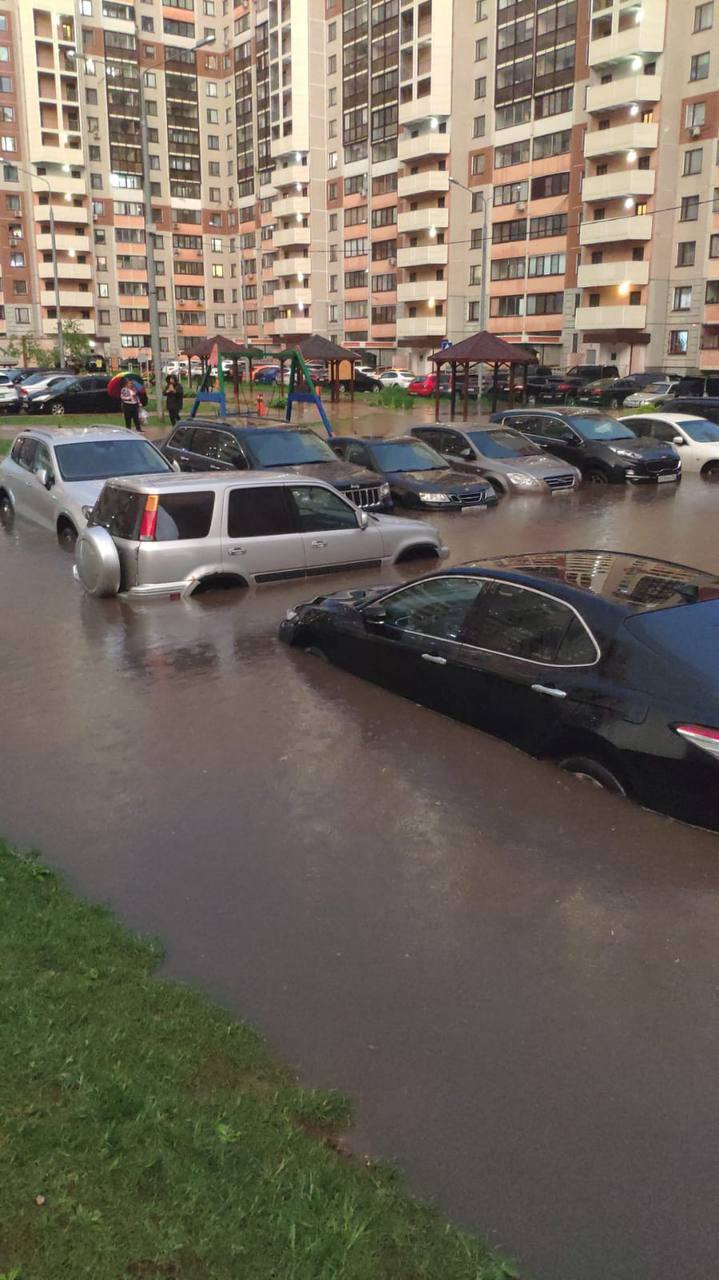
<point x="550" y="691"/>
<point x="237" y="551"/>
<point x="434" y="657"/>
<point x="317" y="543"/>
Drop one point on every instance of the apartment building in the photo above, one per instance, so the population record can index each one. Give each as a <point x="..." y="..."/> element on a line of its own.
<point x="391" y="173"/>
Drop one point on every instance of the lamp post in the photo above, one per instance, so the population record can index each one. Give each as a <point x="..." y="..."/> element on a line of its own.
<point x="53" y="248"/>
<point x="154" y="315"/>
<point x="485" y="256"/>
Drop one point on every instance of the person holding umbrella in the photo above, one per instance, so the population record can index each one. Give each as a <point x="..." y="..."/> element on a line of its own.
<point x="128" y="389"/>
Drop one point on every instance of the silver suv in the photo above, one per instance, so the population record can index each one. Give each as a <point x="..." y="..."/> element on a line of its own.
<point x="169" y="535"/>
<point x="54" y="476"/>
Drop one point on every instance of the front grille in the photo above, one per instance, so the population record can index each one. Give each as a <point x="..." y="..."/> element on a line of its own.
<point x="371" y="497"/>
<point x="469" y="499"/>
<point x="660" y="466"/>
<point x="559" y="482"/>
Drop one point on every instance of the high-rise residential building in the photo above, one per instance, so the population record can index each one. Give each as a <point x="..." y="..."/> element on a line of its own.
<point x="391" y="173"/>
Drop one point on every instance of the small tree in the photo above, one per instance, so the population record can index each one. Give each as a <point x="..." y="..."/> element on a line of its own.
<point x="26" y="350"/>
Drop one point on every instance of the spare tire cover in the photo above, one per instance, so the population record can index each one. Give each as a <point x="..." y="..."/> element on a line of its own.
<point x="98" y="564"/>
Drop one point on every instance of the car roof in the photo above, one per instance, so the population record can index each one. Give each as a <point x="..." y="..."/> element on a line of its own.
<point x="245" y="427"/>
<point x="626" y="581"/>
<point x="404" y="439"/>
<point x="73" y="435"/>
<point x="570" y="410"/>
<point x="671" y="419"/>
<point x="201" y="480"/>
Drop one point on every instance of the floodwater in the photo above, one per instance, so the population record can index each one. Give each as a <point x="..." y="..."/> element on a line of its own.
<point x="513" y="975"/>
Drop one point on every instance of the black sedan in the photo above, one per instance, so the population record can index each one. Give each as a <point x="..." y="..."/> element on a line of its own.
<point x="606" y="393"/>
<point x="605" y="451"/>
<point x="601" y="661"/>
<point x="86" y="394"/>
<point x="416" y="474"/>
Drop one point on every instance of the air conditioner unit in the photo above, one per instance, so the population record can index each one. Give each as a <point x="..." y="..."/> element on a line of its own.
<point x="520" y="206"/>
<point x="695" y="131"/>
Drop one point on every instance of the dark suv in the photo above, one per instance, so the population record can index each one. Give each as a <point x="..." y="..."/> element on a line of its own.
<point x="695" y="387"/>
<point x="558" y="389"/>
<point x="605" y="451"/>
<point x="199" y="444"/>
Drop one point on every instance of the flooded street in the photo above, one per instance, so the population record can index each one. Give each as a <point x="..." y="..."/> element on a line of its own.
<point x="513" y="975"/>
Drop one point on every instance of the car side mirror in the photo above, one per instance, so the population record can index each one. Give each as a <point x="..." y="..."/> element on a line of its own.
<point x="375" y="614"/>
<point x="363" y="519"/>
<point x="467" y="453"/>
<point x="45" y="478"/>
<point x="679" y="441"/>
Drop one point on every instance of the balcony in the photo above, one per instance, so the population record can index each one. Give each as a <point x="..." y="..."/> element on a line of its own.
<point x="418" y="184"/>
<point x="422" y="291"/>
<point x="290" y="326"/>
<point x="614" y="230"/>
<point x="291" y="297"/>
<point x="49" y="327"/>
<point x="66" y="185"/>
<point x="616" y="186"/>
<point x="65" y="244"/>
<point x="621" y="138"/>
<point x="65" y="271"/>
<point x="594" y="318"/>
<point x="422" y="327"/>
<point x="289" y="205"/>
<point x="291" y="266"/>
<point x="641" y="39"/>
<point x="421" y="110"/>
<point x="595" y="275"/>
<point x="68" y="298"/>
<point x="621" y="92"/>
<point x="290" y="175"/>
<point x="426" y="255"/>
<point x="64" y="212"/>
<point x="429" y="143"/>
<point x="422" y="220"/>
<point x="286" y="236"/>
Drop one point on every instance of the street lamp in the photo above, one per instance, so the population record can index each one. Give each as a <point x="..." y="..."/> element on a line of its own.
<point x="53" y="248"/>
<point x="485" y="243"/>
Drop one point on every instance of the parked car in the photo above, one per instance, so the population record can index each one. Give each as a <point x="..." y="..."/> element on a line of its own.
<point x="10" y="397"/>
<point x="697" y="408"/>
<point x="424" y="384"/>
<point x="602" y="662"/>
<point x="651" y="392"/>
<point x="171" y="535"/>
<point x="696" y="438"/>
<point x="198" y="444"/>
<point x="395" y="377"/>
<point x="605" y="450"/>
<point x="697" y="385"/>
<point x="86" y="394"/>
<point x="369" y="370"/>
<point x="556" y="390"/>
<point x="54" y="477"/>
<point x="417" y="476"/>
<point x="362" y="382"/>
<point x="503" y="456"/>
<point x="269" y="374"/>
<point x="609" y="393"/>
<point x="592" y="372"/>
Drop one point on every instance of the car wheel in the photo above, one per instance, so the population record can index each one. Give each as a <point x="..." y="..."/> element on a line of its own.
<point x="614" y="403"/>
<point x="315" y="652"/>
<point x="711" y="472"/>
<point x="592" y="771"/>
<point x="594" y="476"/>
<point x="6" y="511"/>
<point x="66" y="535"/>
<point x="56" y="408"/>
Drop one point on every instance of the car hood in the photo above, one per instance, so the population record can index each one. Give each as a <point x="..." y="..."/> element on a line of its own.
<point x="343" y="475"/>
<point x="642" y="450"/>
<point x="442" y="481"/>
<point x="543" y="464"/>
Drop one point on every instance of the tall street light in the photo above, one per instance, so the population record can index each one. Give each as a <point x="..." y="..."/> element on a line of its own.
<point x="485" y="245"/>
<point x="37" y="177"/>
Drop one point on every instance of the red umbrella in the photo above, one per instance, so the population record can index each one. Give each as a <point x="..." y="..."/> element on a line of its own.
<point x="116" y="383"/>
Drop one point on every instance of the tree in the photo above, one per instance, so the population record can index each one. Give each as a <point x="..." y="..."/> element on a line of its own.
<point x="29" y="349"/>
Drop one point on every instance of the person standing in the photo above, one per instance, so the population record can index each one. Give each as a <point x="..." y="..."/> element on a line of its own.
<point x="174" y="396"/>
<point x="130" y="401"/>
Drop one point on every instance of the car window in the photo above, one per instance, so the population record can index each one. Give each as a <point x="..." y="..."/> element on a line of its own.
<point x="453" y="443"/>
<point x="550" y="429"/>
<point x="710" y="411"/>
<point x="663" y="431"/>
<point x="228" y="450"/>
<point x="182" y="516"/>
<point x="642" y="426"/>
<point x="24" y="452"/>
<point x="713" y="386"/>
<point x="600" y="428"/>
<point x="42" y="460"/>
<point x="102" y="459"/>
<point x="203" y="442"/>
<point x="259" y="513"/>
<point x="320" y="510"/>
<point x="119" y="511"/>
<point x="179" y="438"/>
<point x="437" y="607"/>
<point x="358" y="454"/>
<point x="526" y="624"/>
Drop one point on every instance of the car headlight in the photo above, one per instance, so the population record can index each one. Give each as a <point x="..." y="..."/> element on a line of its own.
<point x="434" y="497"/>
<point x="384" y="490"/>
<point x="522" y="481"/>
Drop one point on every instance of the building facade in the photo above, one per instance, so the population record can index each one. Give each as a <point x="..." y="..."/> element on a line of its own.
<point x="391" y="173"/>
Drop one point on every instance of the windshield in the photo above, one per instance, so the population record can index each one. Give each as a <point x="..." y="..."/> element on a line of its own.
<point x="701" y="430"/>
<point x="287" y="448"/>
<point x="55" y="384"/>
<point x="655" y="387"/>
<point x="502" y="444"/>
<point x="101" y="459"/>
<point x="599" y="428"/>
<point x="407" y="455"/>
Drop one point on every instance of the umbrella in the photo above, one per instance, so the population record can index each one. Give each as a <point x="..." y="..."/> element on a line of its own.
<point x="116" y="383"/>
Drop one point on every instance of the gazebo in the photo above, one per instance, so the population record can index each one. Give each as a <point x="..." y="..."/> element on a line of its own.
<point x="315" y="347"/>
<point x="226" y="350"/>
<point x="481" y="348"/>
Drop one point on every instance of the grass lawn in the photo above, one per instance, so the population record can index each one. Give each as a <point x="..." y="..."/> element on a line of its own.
<point x="144" y="1134"/>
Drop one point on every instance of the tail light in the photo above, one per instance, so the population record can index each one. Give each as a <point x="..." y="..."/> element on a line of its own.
<point x="596" y="391"/>
<point x="148" y="524"/>
<point x="700" y="736"/>
<point x="23" y="391"/>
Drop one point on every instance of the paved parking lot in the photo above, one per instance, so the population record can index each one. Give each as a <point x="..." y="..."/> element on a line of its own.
<point x="514" y="976"/>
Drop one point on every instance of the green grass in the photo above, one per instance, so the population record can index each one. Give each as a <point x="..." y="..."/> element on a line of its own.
<point x="145" y="1134"/>
<point x="5" y="446"/>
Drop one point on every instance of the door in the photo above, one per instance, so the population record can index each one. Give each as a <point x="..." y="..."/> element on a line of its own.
<point x="177" y="448"/>
<point x="332" y="532"/>
<point x="72" y="397"/>
<point x="555" y="436"/>
<point x="41" y="502"/>
<point x="18" y="472"/>
<point x="205" y="450"/>
<point x="454" y="447"/>
<point x="260" y="537"/>
<point x="693" y="457"/>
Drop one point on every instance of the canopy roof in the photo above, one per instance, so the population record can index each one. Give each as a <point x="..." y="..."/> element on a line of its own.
<point x="315" y="347"/>
<point x="225" y="347"/>
<point x="483" y="348"/>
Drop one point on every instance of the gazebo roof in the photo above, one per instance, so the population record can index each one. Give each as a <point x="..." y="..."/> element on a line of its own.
<point x="225" y="347"/>
<point x="482" y="348"/>
<point x="315" y="347"/>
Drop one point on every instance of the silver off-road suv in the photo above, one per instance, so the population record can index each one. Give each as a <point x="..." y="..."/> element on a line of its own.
<point x="170" y="535"/>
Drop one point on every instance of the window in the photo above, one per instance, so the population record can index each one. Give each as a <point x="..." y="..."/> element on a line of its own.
<point x="480" y="87"/>
<point x="479" y="127"/>
<point x="696" y="115"/>
<point x="553" y="184"/>
<point x="506" y="269"/>
<point x="714" y="246"/>
<point x="356" y="215"/>
<point x="384" y="283"/>
<point x="480" y="49"/>
<point x="332" y="64"/>
<point x="19" y="286"/>
<point x="692" y="161"/>
<point x="384" y="217"/>
<point x="699" y="66"/>
<point x="513" y="153"/>
<point x="22" y="315"/>
<point x="689" y="210"/>
<point x="547" y="264"/>
<point x="319" y="510"/>
<point x="555" y="224"/>
<point x="704" y="16"/>
<point x="551" y="144"/>
<point x="712" y="292"/>
<point x="438" y="607"/>
<point x="510" y="193"/>
<point x="678" y="342"/>
<point x="528" y="625"/>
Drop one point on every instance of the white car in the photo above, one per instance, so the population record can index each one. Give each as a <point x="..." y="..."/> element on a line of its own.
<point x="54" y="478"/>
<point x="652" y="393"/>
<point x="395" y="377"/>
<point x="697" y="439"/>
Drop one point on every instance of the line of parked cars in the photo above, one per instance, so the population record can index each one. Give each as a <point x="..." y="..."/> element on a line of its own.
<point x="56" y="392"/>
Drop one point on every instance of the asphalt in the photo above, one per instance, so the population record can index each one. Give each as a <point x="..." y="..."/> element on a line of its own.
<point x="515" y="976"/>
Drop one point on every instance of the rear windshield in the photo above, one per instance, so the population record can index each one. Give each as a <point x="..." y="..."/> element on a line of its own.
<point x="119" y="511"/>
<point x="502" y="444"/>
<point x="287" y="448"/>
<point x="180" y="516"/>
<point x="101" y="459"/>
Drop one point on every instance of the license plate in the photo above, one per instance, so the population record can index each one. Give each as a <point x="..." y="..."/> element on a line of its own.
<point x="667" y="479"/>
<point x="476" y="506"/>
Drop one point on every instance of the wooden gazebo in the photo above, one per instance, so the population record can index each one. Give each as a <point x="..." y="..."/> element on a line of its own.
<point x="315" y="347"/>
<point x="481" y="348"/>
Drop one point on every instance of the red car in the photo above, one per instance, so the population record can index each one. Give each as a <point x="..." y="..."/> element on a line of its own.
<point x="423" y="386"/>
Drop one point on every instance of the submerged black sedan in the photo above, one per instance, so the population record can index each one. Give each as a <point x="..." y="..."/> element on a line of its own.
<point x="604" y="662"/>
<point x="417" y="475"/>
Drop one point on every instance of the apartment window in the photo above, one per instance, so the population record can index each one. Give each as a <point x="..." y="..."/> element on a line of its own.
<point x="553" y="184"/>
<point x="551" y="144"/>
<point x="512" y="305"/>
<point x="689" y="209"/>
<point x="355" y="310"/>
<point x="478" y="163"/>
<point x="333" y="310"/>
<point x="332" y="64"/>
<point x="714" y="246"/>
<point x="475" y="274"/>
<point x="384" y="184"/>
<point x="384" y="315"/>
<point x="555" y="224"/>
<point x="355" y="279"/>
<point x="356" y="248"/>
<point x="332" y="97"/>
<point x="384" y="217"/>
<point x="22" y="315"/>
<point x="333" y="222"/>
<point x="545" y="304"/>
<point x="678" y="342"/>
<point x="476" y="238"/>
<point x="704" y="16"/>
<point x="12" y="203"/>
<point x="473" y="312"/>
<point x="332" y="160"/>
<point x="554" y="104"/>
<point x="514" y="153"/>
<point x="86" y="8"/>
<point x="173" y="28"/>
<point x="594" y="299"/>
<point x="510" y="193"/>
<point x="19" y="286"/>
<point x="384" y="250"/>
<point x="712" y="291"/>
<point x="18" y="259"/>
<point x="547" y="264"/>
<point x="331" y="32"/>
<point x="682" y="298"/>
<point x="9" y="173"/>
<point x="480" y="49"/>
<point x="699" y="66"/>
<point x="356" y="186"/>
<point x="384" y="283"/>
<point x="514" y="113"/>
<point x="692" y="161"/>
<point x="480" y="87"/>
<point x="7" y="115"/>
<point x="696" y="115"/>
<point x="506" y="269"/>
<point x="5" y="84"/>
<point x="479" y="126"/>
<point x="686" y="253"/>
<point x="480" y="10"/>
